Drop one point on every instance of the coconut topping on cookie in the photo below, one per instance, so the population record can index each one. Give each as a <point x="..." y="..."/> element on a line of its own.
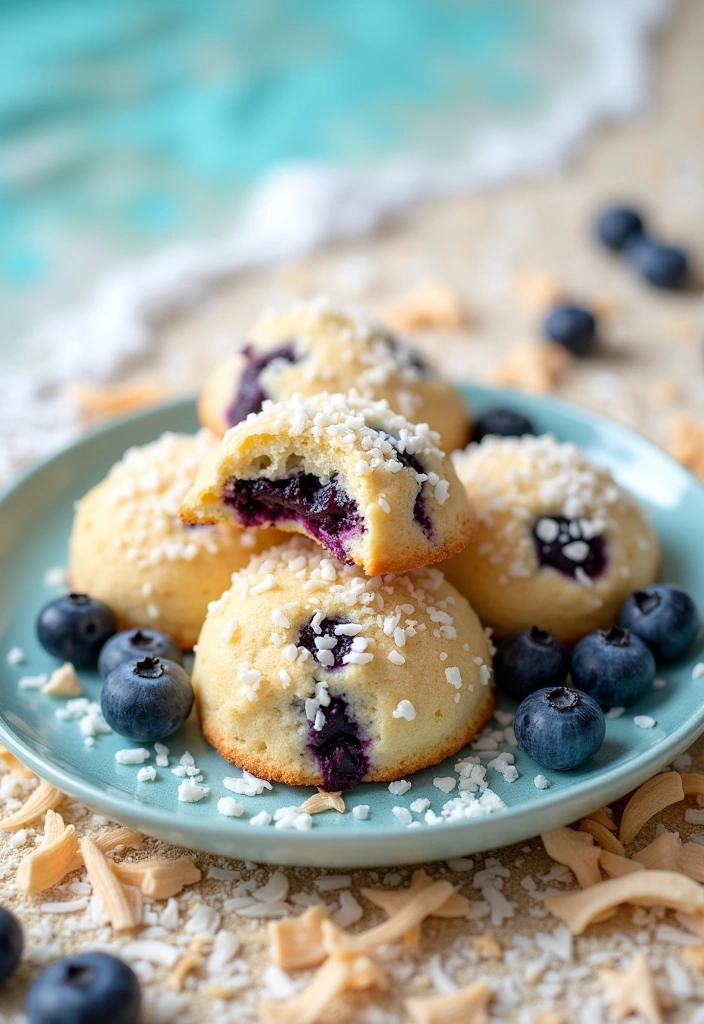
<point x="355" y="476"/>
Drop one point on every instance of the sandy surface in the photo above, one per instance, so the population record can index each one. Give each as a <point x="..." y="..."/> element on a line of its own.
<point x="649" y="367"/>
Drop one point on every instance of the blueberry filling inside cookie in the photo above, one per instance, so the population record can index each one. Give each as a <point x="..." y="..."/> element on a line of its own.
<point x="420" y="509"/>
<point x="250" y="394"/>
<point x="338" y="748"/>
<point x="570" y="546"/>
<point x="326" y="511"/>
<point x="327" y="646"/>
<point x="406" y="356"/>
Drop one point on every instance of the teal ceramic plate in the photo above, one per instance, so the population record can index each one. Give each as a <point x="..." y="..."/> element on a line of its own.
<point x="36" y="519"/>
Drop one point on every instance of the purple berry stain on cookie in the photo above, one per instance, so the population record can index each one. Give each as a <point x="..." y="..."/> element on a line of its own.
<point x="571" y="546"/>
<point x="339" y="748"/>
<point x="325" y="510"/>
<point x="326" y="641"/>
<point x="250" y="393"/>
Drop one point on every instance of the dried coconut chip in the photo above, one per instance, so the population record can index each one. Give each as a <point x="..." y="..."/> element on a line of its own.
<point x="653" y="796"/>
<point x="420" y="905"/>
<point x="695" y="956"/>
<point x="576" y="850"/>
<point x="535" y="367"/>
<point x="615" y="866"/>
<point x="43" y="798"/>
<point x="606" y="839"/>
<point x="338" y="973"/>
<point x="116" y="902"/>
<point x="15" y="766"/>
<point x="323" y="801"/>
<point x="393" y="901"/>
<point x="693" y="785"/>
<point x="468" y="1006"/>
<point x="47" y="864"/>
<point x="188" y="963"/>
<point x="116" y="399"/>
<point x="642" y="888"/>
<point x="430" y="304"/>
<point x="110" y="840"/>
<point x="158" y="877"/>
<point x="298" y="941"/>
<point x="602" y="818"/>
<point x="668" y="853"/>
<point x="537" y="289"/>
<point x="634" y="992"/>
<point x="486" y="946"/>
<point x="63" y="682"/>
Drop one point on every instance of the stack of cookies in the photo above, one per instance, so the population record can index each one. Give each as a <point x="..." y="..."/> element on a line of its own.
<point x="320" y="495"/>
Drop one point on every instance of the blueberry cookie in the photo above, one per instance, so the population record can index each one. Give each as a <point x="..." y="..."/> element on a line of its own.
<point x="310" y="673"/>
<point x="316" y="347"/>
<point x="558" y="545"/>
<point x="349" y="473"/>
<point x="130" y="549"/>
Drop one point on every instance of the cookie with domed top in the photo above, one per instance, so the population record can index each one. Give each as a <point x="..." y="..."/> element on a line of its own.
<point x="318" y="346"/>
<point x="129" y="548"/>
<point x="349" y="473"/>
<point x="310" y="673"/>
<point x="559" y="544"/>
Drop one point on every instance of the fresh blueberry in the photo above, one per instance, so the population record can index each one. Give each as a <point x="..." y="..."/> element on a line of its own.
<point x="530" y="661"/>
<point x="559" y="728"/>
<point x="74" y="627"/>
<point x="147" y="700"/>
<point x="616" y="225"/>
<point x="11" y="943"/>
<point x="613" y="666"/>
<point x="502" y="423"/>
<point x="661" y="265"/>
<point x="88" y="988"/>
<point x="572" y="327"/>
<point x="664" y="617"/>
<point x="133" y="644"/>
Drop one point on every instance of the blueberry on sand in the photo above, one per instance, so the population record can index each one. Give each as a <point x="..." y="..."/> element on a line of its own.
<point x="559" y="728"/>
<point x="573" y="327"/>
<point x="616" y="225"/>
<point x="89" y="988"/>
<point x="662" y="265"/>
<point x="11" y="943"/>
<point x="146" y="700"/>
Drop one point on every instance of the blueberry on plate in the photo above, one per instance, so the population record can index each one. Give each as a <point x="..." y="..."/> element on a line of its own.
<point x="74" y="627"/>
<point x="613" y="666"/>
<point x="89" y="988"/>
<point x="664" y="617"/>
<point x="133" y="644"/>
<point x="662" y="265"/>
<point x="11" y="943"/>
<point x="502" y="423"/>
<point x="559" y="728"/>
<point x="573" y="327"/>
<point x="530" y="661"/>
<point x="616" y="225"/>
<point x="147" y="700"/>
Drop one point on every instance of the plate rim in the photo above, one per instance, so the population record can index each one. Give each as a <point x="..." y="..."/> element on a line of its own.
<point x="209" y="832"/>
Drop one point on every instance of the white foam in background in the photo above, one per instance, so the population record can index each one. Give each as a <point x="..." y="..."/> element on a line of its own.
<point x="301" y="207"/>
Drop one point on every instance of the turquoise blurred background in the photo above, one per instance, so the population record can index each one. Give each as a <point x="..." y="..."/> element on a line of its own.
<point x="126" y="124"/>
